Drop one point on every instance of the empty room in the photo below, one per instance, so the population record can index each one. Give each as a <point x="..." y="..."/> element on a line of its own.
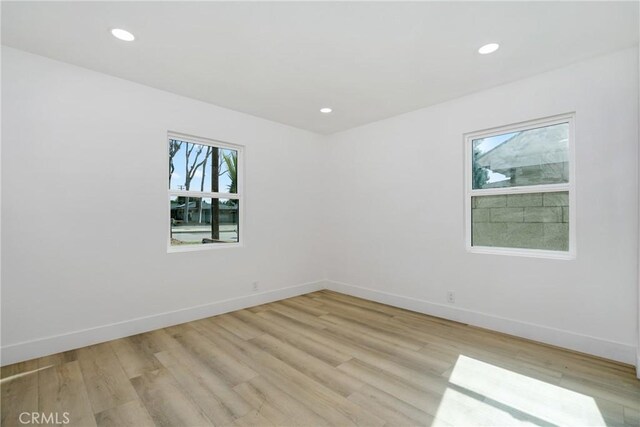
<point x="313" y="213"/>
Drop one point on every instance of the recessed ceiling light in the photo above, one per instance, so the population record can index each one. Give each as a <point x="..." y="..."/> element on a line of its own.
<point x="326" y="110"/>
<point x="122" y="34"/>
<point x="488" y="48"/>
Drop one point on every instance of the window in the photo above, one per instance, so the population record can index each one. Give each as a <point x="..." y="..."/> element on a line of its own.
<point x="205" y="193"/>
<point x="519" y="181"/>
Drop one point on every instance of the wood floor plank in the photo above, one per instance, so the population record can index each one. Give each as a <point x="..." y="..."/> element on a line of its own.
<point x="322" y="400"/>
<point x="376" y="332"/>
<point x="369" y="350"/>
<point x="599" y="390"/>
<point x="386" y="310"/>
<point x="597" y="373"/>
<point x="191" y="338"/>
<point x="61" y="390"/>
<point x="258" y="402"/>
<point x="155" y="341"/>
<point x="302" y="305"/>
<point x="309" y="365"/>
<point x="134" y="357"/>
<point x="308" y="300"/>
<point x="290" y="324"/>
<point x="335" y="306"/>
<point x="463" y="336"/>
<point x="414" y="359"/>
<point x="18" y="368"/>
<point x="278" y="406"/>
<point x="57" y="359"/>
<point x="325" y="353"/>
<point x="19" y="392"/>
<point x="166" y="401"/>
<point x="240" y="329"/>
<point x="424" y="401"/>
<point x="394" y="411"/>
<point x="441" y="350"/>
<point x="258" y="308"/>
<point x="254" y="418"/>
<point x="107" y="384"/>
<point x="216" y="398"/>
<point x="298" y="314"/>
<point x="450" y="405"/>
<point x="346" y="346"/>
<point x="322" y="359"/>
<point x="130" y="414"/>
<point x="631" y="416"/>
<point x="611" y="412"/>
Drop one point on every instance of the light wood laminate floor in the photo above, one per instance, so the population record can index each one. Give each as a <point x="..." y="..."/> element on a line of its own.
<point x="317" y="360"/>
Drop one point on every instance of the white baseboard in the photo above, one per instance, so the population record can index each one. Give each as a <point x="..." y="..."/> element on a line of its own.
<point x="18" y="352"/>
<point x="26" y="350"/>
<point x="620" y="352"/>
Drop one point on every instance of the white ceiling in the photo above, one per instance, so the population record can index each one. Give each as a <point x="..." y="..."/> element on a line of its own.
<point x="285" y="60"/>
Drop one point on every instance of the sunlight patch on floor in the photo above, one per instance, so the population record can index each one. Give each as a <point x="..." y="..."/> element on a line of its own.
<point x="483" y="394"/>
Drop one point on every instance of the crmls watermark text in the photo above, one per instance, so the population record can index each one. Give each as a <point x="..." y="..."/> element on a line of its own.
<point x="44" y="418"/>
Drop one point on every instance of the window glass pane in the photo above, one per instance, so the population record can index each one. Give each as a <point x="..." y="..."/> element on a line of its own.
<point x="177" y="164"/>
<point x="228" y="171"/>
<point x="203" y="220"/>
<point x="529" y="157"/>
<point x="530" y="220"/>
<point x="198" y="167"/>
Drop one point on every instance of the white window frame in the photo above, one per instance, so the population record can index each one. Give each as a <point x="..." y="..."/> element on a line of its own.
<point x="543" y="188"/>
<point x="214" y="195"/>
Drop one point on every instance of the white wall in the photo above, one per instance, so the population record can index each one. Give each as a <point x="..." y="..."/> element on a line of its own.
<point x="395" y="226"/>
<point x="84" y="210"/>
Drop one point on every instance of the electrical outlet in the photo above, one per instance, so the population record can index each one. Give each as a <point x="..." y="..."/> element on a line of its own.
<point x="255" y="286"/>
<point x="451" y="297"/>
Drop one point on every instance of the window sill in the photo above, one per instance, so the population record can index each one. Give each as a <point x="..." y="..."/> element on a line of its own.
<point x="203" y="247"/>
<point x="531" y="253"/>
